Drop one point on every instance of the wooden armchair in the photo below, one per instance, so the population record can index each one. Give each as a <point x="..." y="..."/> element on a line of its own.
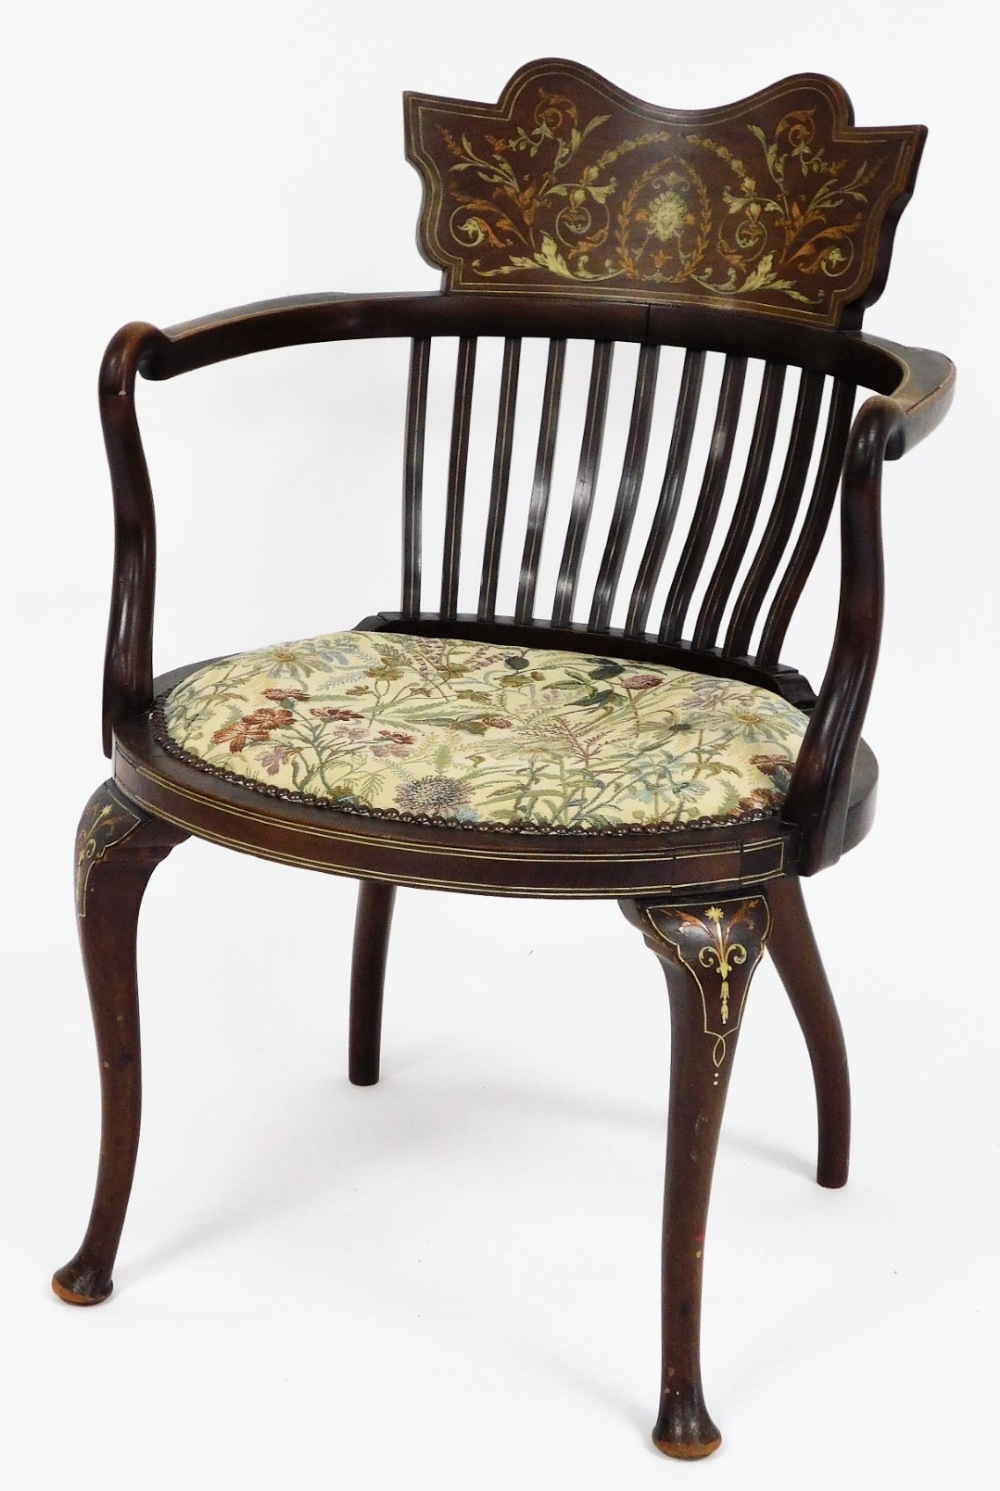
<point x="616" y="727"/>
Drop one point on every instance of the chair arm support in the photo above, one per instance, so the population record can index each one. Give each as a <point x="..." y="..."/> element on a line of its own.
<point x="128" y="660"/>
<point x="885" y="428"/>
<point x="819" y="794"/>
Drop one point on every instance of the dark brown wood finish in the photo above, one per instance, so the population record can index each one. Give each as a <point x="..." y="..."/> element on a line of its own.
<point x="542" y="484"/>
<point x="376" y="900"/>
<point x="793" y="947"/>
<point x="633" y="468"/>
<point x="814" y="528"/>
<point x="670" y="493"/>
<point x="712" y="489"/>
<point x="751" y="493"/>
<point x="708" y="952"/>
<point x="118" y="847"/>
<point x="500" y="484"/>
<point x="586" y="483"/>
<point x="786" y="505"/>
<point x="457" y="469"/>
<point x="755" y="202"/>
<point x="669" y="275"/>
<point x="413" y="473"/>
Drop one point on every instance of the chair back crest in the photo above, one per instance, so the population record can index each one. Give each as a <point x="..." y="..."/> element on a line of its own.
<point x="777" y="204"/>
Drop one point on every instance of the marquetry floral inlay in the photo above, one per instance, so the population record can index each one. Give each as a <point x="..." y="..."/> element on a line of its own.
<point x="107" y="820"/>
<point x="720" y="946"/>
<point x="770" y="205"/>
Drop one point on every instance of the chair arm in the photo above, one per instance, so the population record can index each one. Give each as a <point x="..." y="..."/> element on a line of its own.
<point x="923" y="396"/>
<point x="288" y="321"/>
<point x="141" y="348"/>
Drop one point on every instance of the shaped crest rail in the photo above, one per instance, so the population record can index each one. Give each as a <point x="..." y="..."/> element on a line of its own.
<point x="777" y="204"/>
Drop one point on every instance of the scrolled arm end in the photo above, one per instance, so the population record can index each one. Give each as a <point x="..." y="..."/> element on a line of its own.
<point x="922" y="396"/>
<point x="125" y="355"/>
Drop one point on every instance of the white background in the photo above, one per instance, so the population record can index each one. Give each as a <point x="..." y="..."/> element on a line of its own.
<point x="451" y="1280"/>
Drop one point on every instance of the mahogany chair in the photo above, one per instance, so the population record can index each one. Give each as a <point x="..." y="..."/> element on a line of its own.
<point x="646" y="743"/>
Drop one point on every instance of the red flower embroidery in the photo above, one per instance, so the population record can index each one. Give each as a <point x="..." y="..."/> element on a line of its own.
<point x="253" y="727"/>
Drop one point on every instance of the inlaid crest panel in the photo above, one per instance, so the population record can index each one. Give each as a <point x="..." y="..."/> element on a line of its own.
<point x="775" y="204"/>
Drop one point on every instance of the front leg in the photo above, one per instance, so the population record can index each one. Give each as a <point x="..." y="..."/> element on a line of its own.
<point x="708" y="950"/>
<point x="118" y="848"/>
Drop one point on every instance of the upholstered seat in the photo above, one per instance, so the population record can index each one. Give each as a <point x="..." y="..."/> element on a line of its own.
<point x="443" y="730"/>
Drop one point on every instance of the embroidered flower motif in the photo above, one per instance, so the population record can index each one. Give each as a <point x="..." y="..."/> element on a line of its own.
<point x="432" y="795"/>
<point x="761" y="800"/>
<point x="559" y="740"/>
<point x="274" y="759"/>
<point x="478" y="724"/>
<point x="252" y="727"/>
<point x="392" y="745"/>
<point x="778" y="768"/>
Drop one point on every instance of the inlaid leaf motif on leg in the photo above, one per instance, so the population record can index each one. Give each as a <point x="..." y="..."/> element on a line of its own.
<point x="720" y="946"/>
<point x="108" y="819"/>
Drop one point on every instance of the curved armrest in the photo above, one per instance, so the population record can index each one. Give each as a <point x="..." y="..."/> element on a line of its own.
<point x="290" y="321"/>
<point x="142" y="348"/>
<point x="921" y="399"/>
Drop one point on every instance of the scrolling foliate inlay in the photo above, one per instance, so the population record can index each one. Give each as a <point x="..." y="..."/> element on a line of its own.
<point x="720" y="946"/>
<point x="775" y="203"/>
<point x="107" y="820"/>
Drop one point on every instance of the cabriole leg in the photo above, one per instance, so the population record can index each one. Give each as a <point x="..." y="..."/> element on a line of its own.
<point x="371" y="945"/>
<point x="708" y="950"/>
<point x="796" y="957"/>
<point x="117" y="849"/>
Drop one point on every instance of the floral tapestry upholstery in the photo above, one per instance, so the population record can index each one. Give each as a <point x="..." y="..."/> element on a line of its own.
<point x="476" y="735"/>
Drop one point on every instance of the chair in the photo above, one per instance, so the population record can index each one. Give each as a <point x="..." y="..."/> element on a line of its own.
<point x="627" y="729"/>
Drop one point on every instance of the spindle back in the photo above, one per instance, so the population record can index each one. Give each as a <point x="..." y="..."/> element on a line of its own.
<point x="717" y="231"/>
<point x="699" y="531"/>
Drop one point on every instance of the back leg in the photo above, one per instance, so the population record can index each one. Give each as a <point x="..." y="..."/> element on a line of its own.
<point x="371" y="946"/>
<point x="118" y="848"/>
<point x="796" y="957"/>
